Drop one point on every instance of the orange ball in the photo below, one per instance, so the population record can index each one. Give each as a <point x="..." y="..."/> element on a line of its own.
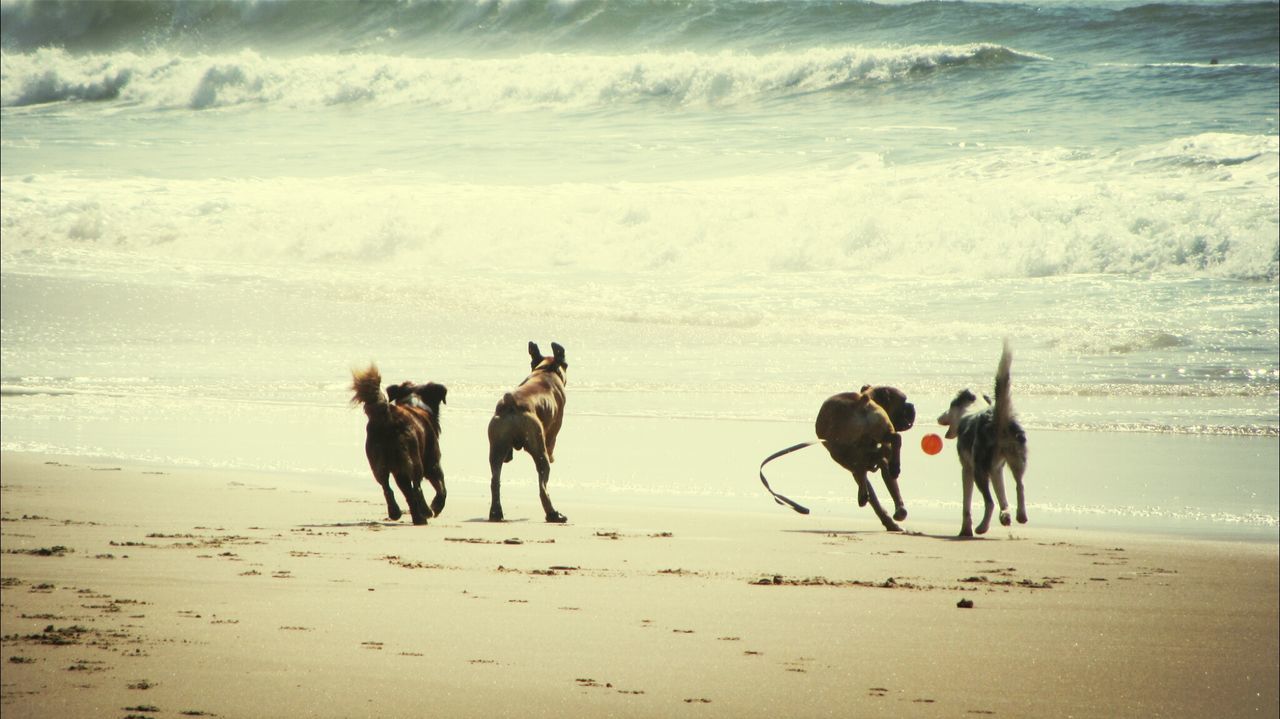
<point x="931" y="443"/>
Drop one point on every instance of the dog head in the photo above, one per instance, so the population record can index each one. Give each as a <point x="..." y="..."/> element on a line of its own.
<point x="432" y="395"/>
<point x="429" y="395"/>
<point x="894" y="402"/>
<point x="554" y="363"/>
<point x="951" y="418"/>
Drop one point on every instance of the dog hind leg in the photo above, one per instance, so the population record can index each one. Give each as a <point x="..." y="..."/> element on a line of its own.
<point x="966" y="516"/>
<point x="497" y="456"/>
<point x="1018" y="467"/>
<point x="537" y="448"/>
<point x="983" y="481"/>
<point x="393" y="509"/>
<point x="997" y="483"/>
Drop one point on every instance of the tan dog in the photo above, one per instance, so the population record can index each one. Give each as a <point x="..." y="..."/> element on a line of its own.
<point x="403" y="441"/>
<point x="862" y="437"/>
<point x="529" y="418"/>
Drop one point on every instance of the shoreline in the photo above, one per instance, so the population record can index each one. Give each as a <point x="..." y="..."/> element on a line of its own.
<point x="1146" y="484"/>
<point x="175" y="584"/>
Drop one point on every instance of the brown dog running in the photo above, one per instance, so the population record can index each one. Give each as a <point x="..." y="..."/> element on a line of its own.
<point x="529" y="418"/>
<point x="861" y="431"/>
<point x="403" y="441"/>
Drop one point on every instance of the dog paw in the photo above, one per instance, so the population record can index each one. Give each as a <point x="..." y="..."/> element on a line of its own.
<point x="394" y="514"/>
<point x="901" y="514"/>
<point x="557" y="518"/>
<point x="1022" y="517"/>
<point x="891" y="527"/>
<point x="495" y="515"/>
<point x="420" y="520"/>
<point x="1004" y="519"/>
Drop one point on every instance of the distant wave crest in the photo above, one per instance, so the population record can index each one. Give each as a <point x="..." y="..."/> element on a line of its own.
<point x="463" y="84"/>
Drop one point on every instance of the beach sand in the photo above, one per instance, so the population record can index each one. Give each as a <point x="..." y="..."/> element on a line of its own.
<point x="138" y="590"/>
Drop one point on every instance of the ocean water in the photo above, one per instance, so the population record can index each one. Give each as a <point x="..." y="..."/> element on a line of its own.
<point x="726" y="210"/>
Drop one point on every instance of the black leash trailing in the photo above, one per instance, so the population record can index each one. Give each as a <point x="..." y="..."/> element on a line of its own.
<point x="778" y="497"/>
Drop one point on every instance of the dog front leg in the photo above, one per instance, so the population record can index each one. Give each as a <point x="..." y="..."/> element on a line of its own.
<point x="421" y="499"/>
<point x="899" y="507"/>
<point x="864" y="484"/>
<point x="895" y="461"/>
<point x="544" y="475"/>
<point x="413" y="496"/>
<point x="435" y="475"/>
<point x="966" y="517"/>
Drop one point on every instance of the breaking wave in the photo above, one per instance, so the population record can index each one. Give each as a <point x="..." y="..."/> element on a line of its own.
<point x="556" y="81"/>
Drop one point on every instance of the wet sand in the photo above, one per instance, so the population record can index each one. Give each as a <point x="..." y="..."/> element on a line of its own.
<point x="136" y="590"/>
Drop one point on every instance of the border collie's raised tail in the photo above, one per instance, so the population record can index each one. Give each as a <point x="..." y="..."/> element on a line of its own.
<point x="987" y="441"/>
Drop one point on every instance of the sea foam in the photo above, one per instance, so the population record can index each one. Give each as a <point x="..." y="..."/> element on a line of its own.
<point x="542" y="80"/>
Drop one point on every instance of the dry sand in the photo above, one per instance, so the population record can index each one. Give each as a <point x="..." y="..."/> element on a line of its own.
<point x="131" y="590"/>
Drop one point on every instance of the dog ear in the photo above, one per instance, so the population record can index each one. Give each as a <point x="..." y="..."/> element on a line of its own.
<point x="558" y="352"/>
<point x="535" y="355"/>
<point x="865" y="387"/>
<point x="396" y="392"/>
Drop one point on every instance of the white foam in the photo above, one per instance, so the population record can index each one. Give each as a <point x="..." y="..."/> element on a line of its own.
<point x="538" y="80"/>
<point x="1201" y="206"/>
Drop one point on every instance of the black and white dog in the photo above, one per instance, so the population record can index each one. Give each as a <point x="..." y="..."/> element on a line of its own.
<point x="987" y="441"/>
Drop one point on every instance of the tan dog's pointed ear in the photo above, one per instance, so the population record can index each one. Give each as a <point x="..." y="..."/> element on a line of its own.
<point x="535" y="355"/>
<point x="865" y="387"/>
<point x="558" y="352"/>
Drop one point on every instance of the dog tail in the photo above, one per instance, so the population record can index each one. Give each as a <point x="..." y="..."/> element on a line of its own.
<point x="506" y="405"/>
<point x="1003" y="406"/>
<point x="367" y="386"/>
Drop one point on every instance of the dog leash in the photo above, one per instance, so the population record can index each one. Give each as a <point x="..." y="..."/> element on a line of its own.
<point x="778" y="497"/>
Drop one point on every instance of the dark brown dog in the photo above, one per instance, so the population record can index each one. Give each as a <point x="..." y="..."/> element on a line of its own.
<point x="529" y="418"/>
<point x="862" y="436"/>
<point x="403" y="441"/>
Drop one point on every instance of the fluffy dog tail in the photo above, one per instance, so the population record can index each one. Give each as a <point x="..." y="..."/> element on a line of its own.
<point x="1003" y="407"/>
<point x="367" y="386"/>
